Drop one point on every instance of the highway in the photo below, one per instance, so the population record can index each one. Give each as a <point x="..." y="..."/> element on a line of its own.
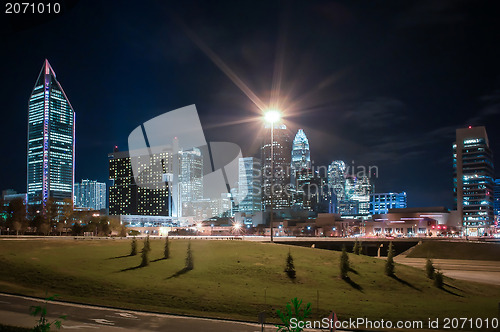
<point x="472" y="270"/>
<point x="14" y="310"/>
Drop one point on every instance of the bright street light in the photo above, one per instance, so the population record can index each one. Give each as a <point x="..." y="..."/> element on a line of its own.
<point x="272" y="116"/>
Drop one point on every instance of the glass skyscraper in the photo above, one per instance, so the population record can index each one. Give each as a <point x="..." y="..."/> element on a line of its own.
<point x="281" y="165"/>
<point x="301" y="155"/>
<point x="51" y="137"/>
<point x="249" y="185"/>
<point x="190" y="179"/>
<point x="473" y="179"/>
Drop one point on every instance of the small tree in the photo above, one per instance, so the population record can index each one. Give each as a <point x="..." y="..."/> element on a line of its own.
<point x="438" y="280"/>
<point x="429" y="269"/>
<point x="355" y="249"/>
<point x="289" y="313"/>
<point x="166" y="250"/>
<point x="145" y="253"/>
<point x="344" y="264"/>
<point x="43" y="324"/>
<point x="189" y="258"/>
<point x="290" y="267"/>
<point x="389" y="263"/>
<point x="133" y="249"/>
<point x="147" y="244"/>
<point x="360" y="249"/>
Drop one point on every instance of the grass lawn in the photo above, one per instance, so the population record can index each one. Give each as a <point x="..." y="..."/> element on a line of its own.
<point x="457" y="250"/>
<point x="232" y="279"/>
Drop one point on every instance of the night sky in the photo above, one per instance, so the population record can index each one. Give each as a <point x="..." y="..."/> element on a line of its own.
<point x="383" y="83"/>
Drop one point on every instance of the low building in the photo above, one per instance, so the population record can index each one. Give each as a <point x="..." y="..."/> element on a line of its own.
<point x="427" y="221"/>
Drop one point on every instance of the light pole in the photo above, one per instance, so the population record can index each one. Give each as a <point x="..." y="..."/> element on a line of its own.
<point x="271" y="117"/>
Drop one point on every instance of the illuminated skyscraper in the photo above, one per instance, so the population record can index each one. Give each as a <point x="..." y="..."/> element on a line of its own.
<point x="51" y="137"/>
<point x="152" y="197"/>
<point x="249" y="185"/>
<point x="282" y="159"/>
<point x="190" y="179"/>
<point x="301" y="155"/>
<point x="473" y="179"/>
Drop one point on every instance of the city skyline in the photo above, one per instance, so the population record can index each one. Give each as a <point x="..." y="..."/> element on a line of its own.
<point x="421" y="118"/>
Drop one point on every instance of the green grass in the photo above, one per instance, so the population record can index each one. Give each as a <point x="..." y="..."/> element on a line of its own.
<point x="456" y="250"/>
<point x="230" y="279"/>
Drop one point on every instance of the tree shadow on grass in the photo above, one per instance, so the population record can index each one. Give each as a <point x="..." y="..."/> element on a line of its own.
<point x="124" y="256"/>
<point x="132" y="268"/>
<point x="353" y="284"/>
<point x="353" y="271"/>
<point x="404" y="282"/>
<point x="449" y="291"/>
<point x="158" y="259"/>
<point x="453" y="287"/>
<point x="179" y="273"/>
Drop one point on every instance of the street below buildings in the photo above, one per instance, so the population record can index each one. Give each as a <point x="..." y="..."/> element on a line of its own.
<point x="487" y="272"/>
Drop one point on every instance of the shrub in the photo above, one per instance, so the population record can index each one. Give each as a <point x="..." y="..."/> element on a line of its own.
<point x="147" y="244"/>
<point x="43" y="324"/>
<point x="289" y="313"/>
<point x="389" y="263"/>
<point x="145" y="254"/>
<point x="355" y="249"/>
<point x="344" y="264"/>
<point x="438" y="280"/>
<point x="290" y="267"/>
<point x="133" y="249"/>
<point x="429" y="269"/>
<point x="166" y="250"/>
<point x="189" y="258"/>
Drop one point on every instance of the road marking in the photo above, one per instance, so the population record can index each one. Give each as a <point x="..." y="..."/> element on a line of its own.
<point x="103" y="321"/>
<point x="5" y="302"/>
<point x="77" y="327"/>
<point x="126" y="315"/>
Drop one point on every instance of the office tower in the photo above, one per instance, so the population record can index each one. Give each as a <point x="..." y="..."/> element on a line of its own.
<point x="51" y="137"/>
<point x="381" y="203"/>
<point x="190" y="179"/>
<point x="306" y="189"/>
<point x="473" y="179"/>
<point x="281" y="165"/>
<point x="301" y="156"/>
<point x="152" y="197"/>
<point x="496" y="205"/>
<point x="301" y="175"/>
<point x="249" y="185"/>
<point x="337" y="179"/>
<point x="90" y="195"/>
<point x="362" y="190"/>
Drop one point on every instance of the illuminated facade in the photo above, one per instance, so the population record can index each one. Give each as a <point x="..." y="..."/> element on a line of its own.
<point x="282" y="160"/>
<point x="51" y="137"/>
<point x="249" y="185"/>
<point x="153" y="197"/>
<point x="350" y="195"/>
<point x="301" y="155"/>
<point x="90" y="194"/>
<point x="496" y="205"/>
<point x="473" y="182"/>
<point x="381" y="203"/>
<point x="190" y="179"/>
